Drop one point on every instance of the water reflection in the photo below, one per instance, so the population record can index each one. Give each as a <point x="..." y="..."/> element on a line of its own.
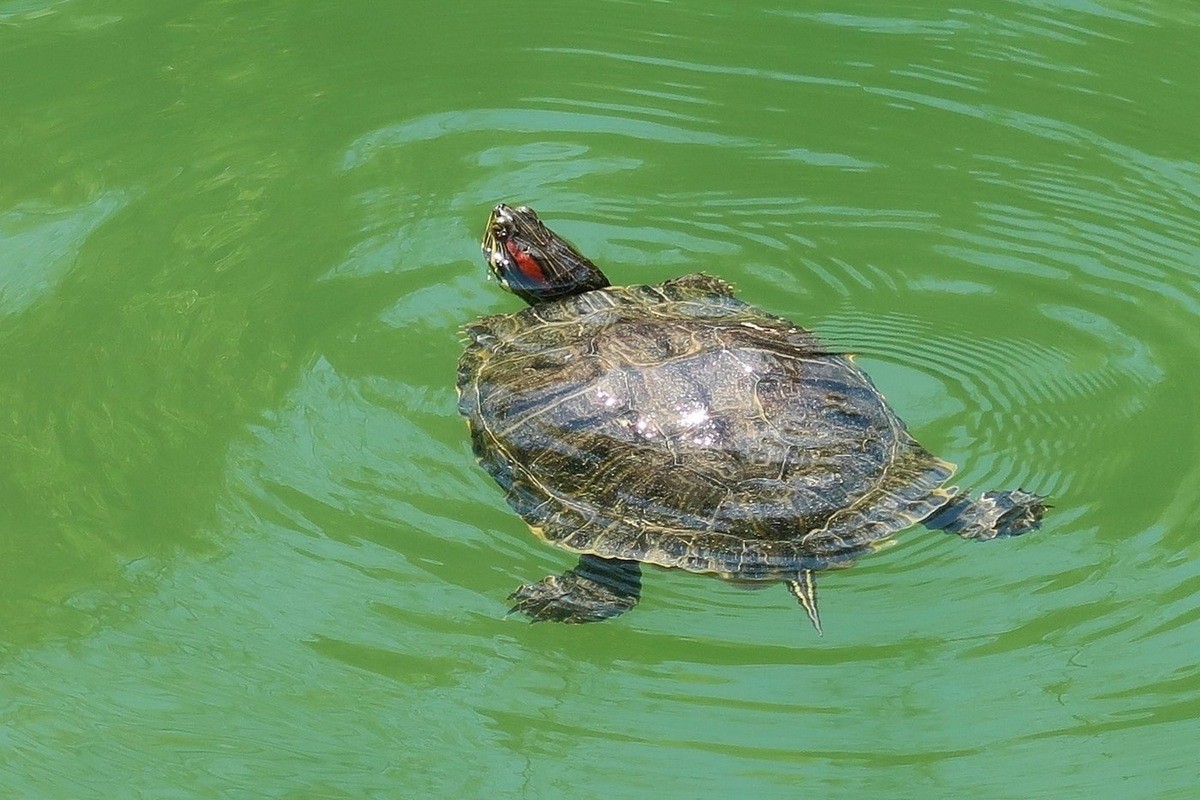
<point x="236" y="488"/>
<point x="42" y="243"/>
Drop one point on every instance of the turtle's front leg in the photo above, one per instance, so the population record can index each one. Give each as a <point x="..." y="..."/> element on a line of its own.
<point x="596" y="589"/>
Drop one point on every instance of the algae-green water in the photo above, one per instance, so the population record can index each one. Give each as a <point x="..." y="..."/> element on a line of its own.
<point x="245" y="549"/>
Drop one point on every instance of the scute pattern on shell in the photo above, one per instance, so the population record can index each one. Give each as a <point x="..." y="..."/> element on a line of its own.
<point x="677" y="425"/>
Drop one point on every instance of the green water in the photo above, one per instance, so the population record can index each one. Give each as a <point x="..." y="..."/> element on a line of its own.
<point x="245" y="550"/>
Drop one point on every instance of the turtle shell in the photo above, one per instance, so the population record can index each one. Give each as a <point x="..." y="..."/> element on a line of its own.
<point x="677" y="425"/>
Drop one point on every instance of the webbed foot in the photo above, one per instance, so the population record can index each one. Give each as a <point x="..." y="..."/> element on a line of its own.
<point x="595" y="590"/>
<point x="993" y="515"/>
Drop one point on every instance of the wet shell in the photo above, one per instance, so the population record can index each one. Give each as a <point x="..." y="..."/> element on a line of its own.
<point x="677" y="425"/>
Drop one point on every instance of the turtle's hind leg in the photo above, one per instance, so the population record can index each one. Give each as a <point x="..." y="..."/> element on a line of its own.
<point x="993" y="515"/>
<point x="596" y="589"/>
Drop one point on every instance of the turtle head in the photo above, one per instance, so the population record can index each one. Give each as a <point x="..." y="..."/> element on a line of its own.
<point x="532" y="261"/>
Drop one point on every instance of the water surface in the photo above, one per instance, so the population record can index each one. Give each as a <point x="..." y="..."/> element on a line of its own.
<point x="247" y="551"/>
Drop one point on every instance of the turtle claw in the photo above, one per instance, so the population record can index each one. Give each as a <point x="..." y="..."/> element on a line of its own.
<point x="596" y="590"/>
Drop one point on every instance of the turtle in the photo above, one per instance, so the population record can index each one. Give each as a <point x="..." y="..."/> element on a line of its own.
<point x="676" y="425"/>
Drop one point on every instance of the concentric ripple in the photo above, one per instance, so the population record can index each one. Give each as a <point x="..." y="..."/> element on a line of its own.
<point x="237" y="247"/>
<point x="1022" y="287"/>
<point x="1015" y="275"/>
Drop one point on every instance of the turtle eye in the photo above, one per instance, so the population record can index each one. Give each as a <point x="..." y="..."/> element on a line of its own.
<point x="499" y="231"/>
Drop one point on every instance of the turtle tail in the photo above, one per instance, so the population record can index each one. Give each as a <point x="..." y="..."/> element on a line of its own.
<point x="993" y="515"/>
<point x="804" y="589"/>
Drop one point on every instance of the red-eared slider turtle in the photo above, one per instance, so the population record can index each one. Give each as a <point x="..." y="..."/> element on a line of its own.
<point x="677" y="425"/>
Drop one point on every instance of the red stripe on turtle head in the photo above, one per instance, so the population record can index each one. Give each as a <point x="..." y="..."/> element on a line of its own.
<point x="526" y="263"/>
